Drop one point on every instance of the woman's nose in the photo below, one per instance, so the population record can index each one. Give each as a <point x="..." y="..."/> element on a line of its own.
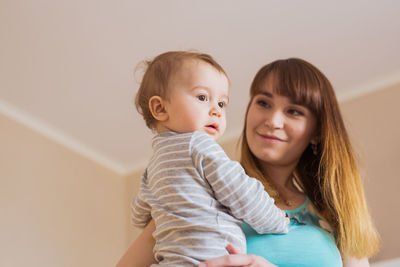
<point x="276" y="120"/>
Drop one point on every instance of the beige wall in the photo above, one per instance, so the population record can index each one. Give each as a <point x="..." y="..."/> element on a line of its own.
<point x="60" y="209"/>
<point x="374" y="124"/>
<point x="57" y="208"/>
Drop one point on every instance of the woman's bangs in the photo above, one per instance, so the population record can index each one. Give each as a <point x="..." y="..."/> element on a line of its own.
<point x="299" y="85"/>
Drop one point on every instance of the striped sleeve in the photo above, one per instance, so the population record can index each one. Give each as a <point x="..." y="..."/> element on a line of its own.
<point x="243" y="195"/>
<point x="140" y="209"/>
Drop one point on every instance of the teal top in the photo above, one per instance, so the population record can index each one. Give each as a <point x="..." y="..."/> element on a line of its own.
<point x="308" y="243"/>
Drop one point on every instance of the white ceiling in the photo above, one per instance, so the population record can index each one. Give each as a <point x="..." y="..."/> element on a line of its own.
<point x="66" y="67"/>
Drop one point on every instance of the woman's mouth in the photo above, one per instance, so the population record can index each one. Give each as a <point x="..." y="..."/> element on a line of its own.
<point x="271" y="138"/>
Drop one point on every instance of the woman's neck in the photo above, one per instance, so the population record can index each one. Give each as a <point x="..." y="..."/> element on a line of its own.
<point x="282" y="179"/>
<point x="280" y="176"/>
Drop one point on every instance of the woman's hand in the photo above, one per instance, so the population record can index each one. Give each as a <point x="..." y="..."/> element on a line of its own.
<point x="236" y="258"/>
<point x="140" y="253"/>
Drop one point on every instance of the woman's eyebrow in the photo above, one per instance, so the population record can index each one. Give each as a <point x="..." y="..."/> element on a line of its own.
<point x="267" y="94"/>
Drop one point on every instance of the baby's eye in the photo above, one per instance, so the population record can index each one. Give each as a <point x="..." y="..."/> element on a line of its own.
<point x="222" y="104"/>
<point x="202" y="97"/>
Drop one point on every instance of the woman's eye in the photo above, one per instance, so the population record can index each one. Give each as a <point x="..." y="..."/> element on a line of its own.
<point x="221" y="104"/>
<point x="295" y="112"/>
<point x="263" y="103"/>
<point x="202" y="97"/>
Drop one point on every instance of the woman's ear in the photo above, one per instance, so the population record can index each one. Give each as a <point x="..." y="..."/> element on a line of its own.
<point x="314" y="145"/>
<point x="157" y="108"/>
<point x="315" y="140"/>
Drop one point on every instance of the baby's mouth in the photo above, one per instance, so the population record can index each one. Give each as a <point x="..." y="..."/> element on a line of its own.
<point x="212" y="127"/>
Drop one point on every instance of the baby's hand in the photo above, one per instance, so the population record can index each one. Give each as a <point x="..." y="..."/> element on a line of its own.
<point x="287" y="217"/>
<point x="237" y="258"/>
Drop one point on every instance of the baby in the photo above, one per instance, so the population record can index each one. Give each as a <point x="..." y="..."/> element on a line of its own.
<point x="196" y="195"/>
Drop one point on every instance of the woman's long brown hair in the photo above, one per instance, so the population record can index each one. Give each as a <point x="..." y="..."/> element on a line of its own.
<point x="331" y="178"/>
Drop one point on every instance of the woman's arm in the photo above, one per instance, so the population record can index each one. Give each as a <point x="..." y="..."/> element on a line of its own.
<point x="353" y="262"/>
<point x="140" y="253"/>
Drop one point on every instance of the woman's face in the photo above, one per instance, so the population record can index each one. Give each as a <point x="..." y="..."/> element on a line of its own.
<point x="278" y="130"/>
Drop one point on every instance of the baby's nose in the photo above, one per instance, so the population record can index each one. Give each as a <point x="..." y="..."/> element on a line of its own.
<point x="215" y="112"/>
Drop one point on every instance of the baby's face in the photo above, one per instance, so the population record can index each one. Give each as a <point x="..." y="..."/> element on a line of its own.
<point x="198" y="99"/>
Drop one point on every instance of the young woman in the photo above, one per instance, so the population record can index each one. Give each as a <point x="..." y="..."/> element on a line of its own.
<point x="294" y="141"/>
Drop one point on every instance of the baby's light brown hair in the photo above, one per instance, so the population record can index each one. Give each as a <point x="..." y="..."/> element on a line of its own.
<point x="158" y="74"/>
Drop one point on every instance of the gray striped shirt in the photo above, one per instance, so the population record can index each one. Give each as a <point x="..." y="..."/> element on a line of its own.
<point x="198" y="198"/>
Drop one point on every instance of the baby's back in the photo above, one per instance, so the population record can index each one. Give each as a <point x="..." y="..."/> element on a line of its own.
<point x="191" y="225"/>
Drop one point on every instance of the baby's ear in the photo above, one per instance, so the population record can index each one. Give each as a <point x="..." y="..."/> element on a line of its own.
<point x="157" y="108"/>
